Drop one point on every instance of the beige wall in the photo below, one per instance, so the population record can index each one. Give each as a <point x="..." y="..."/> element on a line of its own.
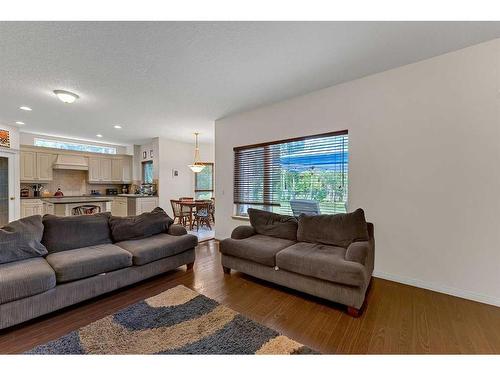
<point x="424" y="164"/>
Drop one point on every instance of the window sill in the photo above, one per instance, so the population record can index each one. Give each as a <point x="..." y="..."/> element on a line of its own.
<point x="242" y="218"/>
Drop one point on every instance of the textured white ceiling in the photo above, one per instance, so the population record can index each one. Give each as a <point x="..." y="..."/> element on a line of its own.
<point x="173" y="78"/>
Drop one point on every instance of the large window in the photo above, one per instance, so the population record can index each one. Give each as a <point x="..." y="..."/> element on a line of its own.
<point x="204" y="182"/>
<point x="73" y="146"/>
<point x="315" y="168"/>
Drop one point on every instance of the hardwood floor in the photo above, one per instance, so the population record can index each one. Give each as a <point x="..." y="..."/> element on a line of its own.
<point x="397" y="318"/>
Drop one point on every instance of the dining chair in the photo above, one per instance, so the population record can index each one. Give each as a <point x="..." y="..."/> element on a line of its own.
<point x="212" y="210"/>
<point x="202" y="215"/>
<point x="178" y="211"/>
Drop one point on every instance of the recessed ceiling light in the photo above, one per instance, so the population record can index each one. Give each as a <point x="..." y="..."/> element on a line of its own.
<point x="66" y="96"/>
<point x="98" y="135"/>
<point x="24" y="108"/>
<point x="117" y="126"/>
<point x="19" y="123"/>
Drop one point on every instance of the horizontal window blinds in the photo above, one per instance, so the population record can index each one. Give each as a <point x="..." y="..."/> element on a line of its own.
<point x="271" y="174"/>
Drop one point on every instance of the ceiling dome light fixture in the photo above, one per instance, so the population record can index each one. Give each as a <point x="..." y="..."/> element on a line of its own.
<point x="117" y="126"/>
<point x="66" y="96"/>
<point x="196" y="167"/>
<point x="98" y="135"/>
<point x="19" y="123"/>
<point x="24" y="108"/>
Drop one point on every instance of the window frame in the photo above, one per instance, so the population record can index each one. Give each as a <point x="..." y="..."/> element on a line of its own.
<point x="266" y="186"/>
<point x="213" y="180"/>
<point x="71" y="143"/>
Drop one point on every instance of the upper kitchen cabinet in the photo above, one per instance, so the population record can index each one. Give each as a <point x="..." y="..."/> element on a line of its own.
<point x="110" y="169"/>
<point x="116" y="170"/>
<point x="44" y="163"/>
<point x="36" y="166"/>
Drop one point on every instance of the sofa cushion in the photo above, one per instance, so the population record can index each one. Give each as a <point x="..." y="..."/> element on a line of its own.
<point x="75" y="232"/>
<point x="144" y="225"/>
<point x="88" y="261"/>
<point x="147" y="250"/>
<point x="321" y="261"/>
<point x="260" y="249"/>
<point x="21" y="239"/>
<point x="25" y="278"/>
<point x="274" y="225"/>
<point x="337" y="230"/>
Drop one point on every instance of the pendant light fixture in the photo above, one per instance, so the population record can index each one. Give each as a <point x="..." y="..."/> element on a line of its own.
<point x="196" y="167"/>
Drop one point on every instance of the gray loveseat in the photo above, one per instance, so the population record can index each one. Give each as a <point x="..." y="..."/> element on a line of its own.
<point x="328" y="256"/>
<point x="65" y="260"/>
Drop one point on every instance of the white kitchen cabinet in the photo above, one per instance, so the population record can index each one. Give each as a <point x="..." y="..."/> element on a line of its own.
<point x="105" y="166"/>
<point x="110" y="170"/>
<point x="30" y="207"/>
<point x="28" y="166"/>
<point x="94" y="170"/>
<point x="116" y="170"/>
<point x="146" y="204"/>
<point x="44" y="163"/>
<point x="126" y="170"/>
<point x="119" y="206"/>
<point x="36" y="166"/>
<point x="48" y="208"/>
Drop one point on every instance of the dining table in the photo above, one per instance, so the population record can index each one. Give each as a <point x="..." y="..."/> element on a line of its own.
<point x="192" y="205"/>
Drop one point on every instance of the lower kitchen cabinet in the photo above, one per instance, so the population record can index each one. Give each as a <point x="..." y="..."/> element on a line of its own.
<point x="30" y="207"/>
<point x="119" y="206"/>
<point x="131" y="206"/>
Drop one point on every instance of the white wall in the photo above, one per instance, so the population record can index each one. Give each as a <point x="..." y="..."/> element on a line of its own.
<point x="178" y="155"/>
<point x="424" y="164"/>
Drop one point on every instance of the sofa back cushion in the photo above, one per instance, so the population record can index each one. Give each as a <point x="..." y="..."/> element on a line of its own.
<point x="73" y="232"/>
<point x="21" y="239"/>
<point x="274" y="225"/>
<point x="144" y="225"/>
<point x="338" y="230"/>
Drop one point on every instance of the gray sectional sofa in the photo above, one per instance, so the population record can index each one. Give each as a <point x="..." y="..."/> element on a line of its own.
<point x="328" y="256"/>
<point x="50" y="264"/>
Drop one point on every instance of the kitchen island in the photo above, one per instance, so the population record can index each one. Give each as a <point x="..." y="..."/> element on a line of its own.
<point x="65" y="206"/>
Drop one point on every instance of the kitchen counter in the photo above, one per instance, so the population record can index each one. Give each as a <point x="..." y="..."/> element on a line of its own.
<point x="137" y="196"/>
<point x="85" y="199"/>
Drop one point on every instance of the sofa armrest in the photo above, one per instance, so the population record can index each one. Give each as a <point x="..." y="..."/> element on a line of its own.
<point x="358" y="252"/>
<point x="242" y="231"/>
<point x="176" y="230"/>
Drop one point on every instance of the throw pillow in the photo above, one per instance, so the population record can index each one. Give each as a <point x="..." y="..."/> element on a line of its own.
<point x="274" y="225"/>
<point x="21" y="240"/>
<point x="73" y="232"/>
<point x="338" y="230"/>
<point x="136" y="227"/>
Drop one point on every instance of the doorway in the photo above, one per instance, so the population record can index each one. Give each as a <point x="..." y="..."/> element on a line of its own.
<point x="8" y="210"/>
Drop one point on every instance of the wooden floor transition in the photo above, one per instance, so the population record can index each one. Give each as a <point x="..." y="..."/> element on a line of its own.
<point x="397" y="318"/>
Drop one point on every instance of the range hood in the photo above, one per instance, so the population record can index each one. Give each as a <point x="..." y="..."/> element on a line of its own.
<point x="74" y="162"/>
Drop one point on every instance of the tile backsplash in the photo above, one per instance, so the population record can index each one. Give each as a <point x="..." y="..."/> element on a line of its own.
<point x="72" y="183"/>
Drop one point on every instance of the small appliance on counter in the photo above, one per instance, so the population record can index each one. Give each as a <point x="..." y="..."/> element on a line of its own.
<point x="95" y="192"/>
<point x="58" y="193"/>
<point x="25" y="192"/>
<point x="125" y="189"/>
<point x="112" y="191"/>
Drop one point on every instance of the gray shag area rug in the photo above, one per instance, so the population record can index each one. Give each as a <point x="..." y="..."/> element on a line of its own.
<point x="177" y="321"/>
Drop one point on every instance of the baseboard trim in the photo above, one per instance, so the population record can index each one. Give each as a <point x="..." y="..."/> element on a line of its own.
<point x="489" y="300"/>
